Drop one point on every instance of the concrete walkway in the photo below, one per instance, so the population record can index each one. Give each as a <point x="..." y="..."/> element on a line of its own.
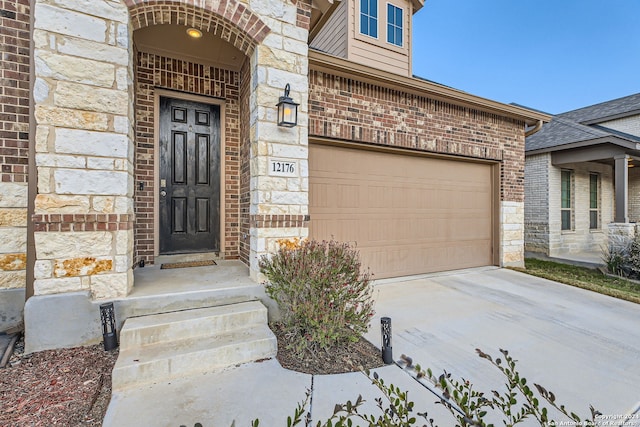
<point x="583" y="346"/>
<point x="587" y="259"/>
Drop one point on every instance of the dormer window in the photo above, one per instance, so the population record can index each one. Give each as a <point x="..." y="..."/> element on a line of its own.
<point x="394" y="25"/>
<point x="369" y="18"/>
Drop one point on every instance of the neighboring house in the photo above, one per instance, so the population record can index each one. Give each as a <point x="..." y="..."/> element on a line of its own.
<point x="134" y="140"/>
<point x="582" y="178"/>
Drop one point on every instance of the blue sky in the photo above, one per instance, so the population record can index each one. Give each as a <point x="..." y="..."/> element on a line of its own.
<point x="551" y="55"/>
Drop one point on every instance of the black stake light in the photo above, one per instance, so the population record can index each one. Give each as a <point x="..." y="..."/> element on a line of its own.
<point x="108" y="318"/>
<point x="287" y="110"/>
<point x="385" y="330"/>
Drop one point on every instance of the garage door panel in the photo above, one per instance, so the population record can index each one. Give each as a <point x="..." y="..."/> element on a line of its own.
<point x="408" y="215"/>
<point x="392" y="230"/>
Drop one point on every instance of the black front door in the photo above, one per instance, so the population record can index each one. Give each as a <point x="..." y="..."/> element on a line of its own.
<point x="189" y="177"/>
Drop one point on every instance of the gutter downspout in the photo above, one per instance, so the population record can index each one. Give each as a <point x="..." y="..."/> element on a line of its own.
<point x="533" y="130"/>
<point x="32" y="172"/>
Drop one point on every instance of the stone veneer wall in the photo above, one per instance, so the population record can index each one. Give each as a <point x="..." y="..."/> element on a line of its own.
<point x="84" y="108"/>
<point x="278" y="205"/>
<point x="14" y="140"/>
<point x="84" y="157"/>
<point x="155" y="71"/>
<point x="84" y="114"/>
<point x="348" y="109"/>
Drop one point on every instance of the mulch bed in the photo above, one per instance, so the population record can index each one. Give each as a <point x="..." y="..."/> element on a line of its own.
<point x="352" y="357"/>
<point x="67" y="387"/>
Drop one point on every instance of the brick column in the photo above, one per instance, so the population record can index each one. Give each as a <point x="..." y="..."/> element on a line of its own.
<point x="84" y="151"/>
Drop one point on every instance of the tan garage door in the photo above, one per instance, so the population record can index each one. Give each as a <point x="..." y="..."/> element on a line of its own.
<point x="407" y="215"/>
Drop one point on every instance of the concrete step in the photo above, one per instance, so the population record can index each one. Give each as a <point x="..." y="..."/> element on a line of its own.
<point x="162" y="291"/>
<point x="169" y="360"/>
<point x="182" y="325"/>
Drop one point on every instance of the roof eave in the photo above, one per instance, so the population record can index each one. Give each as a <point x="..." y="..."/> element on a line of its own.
<point x="417" y="5"/>
<point x="630" y="145"/>
<point x="322" y="61"/>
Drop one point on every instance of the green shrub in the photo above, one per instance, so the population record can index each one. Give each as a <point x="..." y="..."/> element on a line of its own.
<point x="622" y="256"/>
<point x="617" y="255"/>
<point x="516" y="404"/>
<point x="634" y="258"/>
<point x="323" y="296"/>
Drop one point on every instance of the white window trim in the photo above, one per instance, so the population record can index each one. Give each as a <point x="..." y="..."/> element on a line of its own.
<point x="386" y="26"/>
<point x="359" y="19"/>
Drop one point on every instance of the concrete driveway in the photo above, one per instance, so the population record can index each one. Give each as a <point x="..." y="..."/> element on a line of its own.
<point x="583" y="346"/>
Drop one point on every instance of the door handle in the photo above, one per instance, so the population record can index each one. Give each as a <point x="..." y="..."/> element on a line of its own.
<point x="163" y="193"/>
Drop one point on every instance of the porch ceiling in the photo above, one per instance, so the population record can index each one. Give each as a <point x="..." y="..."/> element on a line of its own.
<point x="173" y="41"/>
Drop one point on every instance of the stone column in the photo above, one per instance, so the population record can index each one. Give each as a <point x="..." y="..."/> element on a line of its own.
<point x="512" y="234"/>
<point x="624" y="229"/>
<point x="622" y="189"/>
<point x="84" y="150"/>
<point x="279" y="199"/>
<point x="13" y="252"/>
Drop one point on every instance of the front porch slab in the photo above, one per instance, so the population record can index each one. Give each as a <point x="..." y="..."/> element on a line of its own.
<point x="73" y="319"/>
<point x="162" y="291"/>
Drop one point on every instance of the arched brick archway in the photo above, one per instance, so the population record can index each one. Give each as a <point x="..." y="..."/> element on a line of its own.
<point x="229" y="19"/>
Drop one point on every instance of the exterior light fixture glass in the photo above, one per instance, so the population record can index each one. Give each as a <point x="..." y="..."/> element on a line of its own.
<point x="194" y="32"/>
<point x="287" y="110"/>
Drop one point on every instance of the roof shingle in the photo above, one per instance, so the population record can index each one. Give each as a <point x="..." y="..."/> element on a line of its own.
<point x="604" y="110"/>
<point x="568" y="128"/>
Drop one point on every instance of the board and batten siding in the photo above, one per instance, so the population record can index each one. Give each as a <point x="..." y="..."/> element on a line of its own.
<point x="332" y="39"/>
<point x="377" y="53"/>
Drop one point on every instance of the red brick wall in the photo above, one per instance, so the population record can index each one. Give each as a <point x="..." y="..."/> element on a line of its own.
<point x="154" y="71"/>
<point x="231" y="20"/>
<point x="347" y="109"/>
<point x="303" y="15"/>
<point x="245" y="156"/>
<point x="14" y="90"/>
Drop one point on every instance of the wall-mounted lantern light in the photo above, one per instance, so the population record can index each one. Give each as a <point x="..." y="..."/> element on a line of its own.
<point x="287" y="110"/>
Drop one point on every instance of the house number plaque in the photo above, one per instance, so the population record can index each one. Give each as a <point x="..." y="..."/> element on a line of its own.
<point x="279" y="167"/>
